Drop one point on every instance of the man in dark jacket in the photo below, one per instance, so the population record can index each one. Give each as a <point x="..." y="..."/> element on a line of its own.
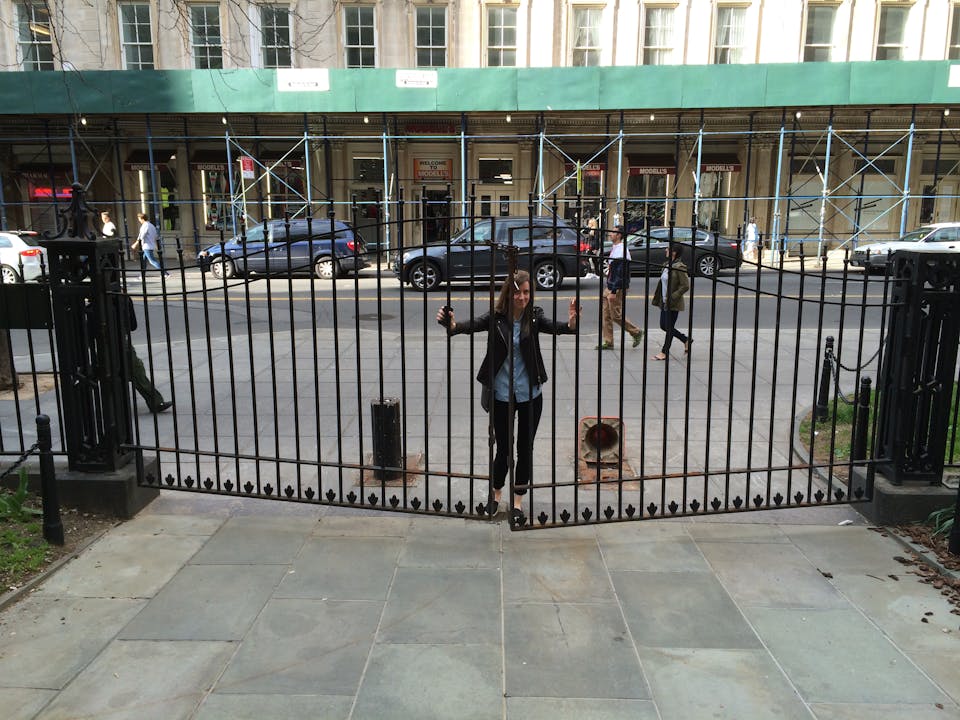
<point x="615" y="292"/>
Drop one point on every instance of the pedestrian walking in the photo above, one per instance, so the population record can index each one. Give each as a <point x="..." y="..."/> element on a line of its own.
<point x="750" y="239"/>
<point x="109" y="229"/>
<point x="512" y="373"/>
<point x="595" y="247"/>
<point x="615" y="292"/>
<point x="668" y="296"/>
<point x="148" y="241"/>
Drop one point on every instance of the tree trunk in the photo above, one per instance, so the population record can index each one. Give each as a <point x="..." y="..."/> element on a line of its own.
<point x="8" y="374"/>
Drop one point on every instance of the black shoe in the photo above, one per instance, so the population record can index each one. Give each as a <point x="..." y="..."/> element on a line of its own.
<point x="162" y="407"/>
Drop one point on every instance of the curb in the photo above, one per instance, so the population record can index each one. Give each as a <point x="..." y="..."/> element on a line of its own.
<point x="13" y="596"/>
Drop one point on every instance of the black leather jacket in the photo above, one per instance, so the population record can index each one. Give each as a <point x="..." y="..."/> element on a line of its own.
<point x="498" y="343"/>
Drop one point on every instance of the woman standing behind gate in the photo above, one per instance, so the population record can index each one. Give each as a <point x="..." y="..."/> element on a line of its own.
<point x="517" y="324"/>
<point x="668" y="296"/>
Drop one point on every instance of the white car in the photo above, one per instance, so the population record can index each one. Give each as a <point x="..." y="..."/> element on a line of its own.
<point x="939" y="237"/>
<point x="21" y="257"/>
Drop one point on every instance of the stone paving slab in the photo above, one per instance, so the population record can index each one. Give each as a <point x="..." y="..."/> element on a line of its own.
<point x="24" y="703"/>
<point x="338" y="568"/>
<point x="261" y="707"/>
<point x="529" y="708"/>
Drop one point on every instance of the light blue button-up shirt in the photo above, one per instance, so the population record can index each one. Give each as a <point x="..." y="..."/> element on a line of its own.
<point x="523" y="391"/>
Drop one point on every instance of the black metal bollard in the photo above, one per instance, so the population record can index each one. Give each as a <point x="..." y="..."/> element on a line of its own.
<point x="859" y="449"/>
<point x="387" y="447"/>
<point x="823" y="395"/>
<point x="52" y="525"/>
<point x="954" y="543"/>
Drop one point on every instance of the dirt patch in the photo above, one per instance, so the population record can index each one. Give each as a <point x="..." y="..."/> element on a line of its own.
<point x="79" y="528"/>
<point x="935" y="546"/>
<point x="29" y="389"/>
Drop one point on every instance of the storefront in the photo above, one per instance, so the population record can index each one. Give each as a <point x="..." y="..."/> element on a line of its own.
<point x="151" y="182"/>
<point x="650" y="180"/>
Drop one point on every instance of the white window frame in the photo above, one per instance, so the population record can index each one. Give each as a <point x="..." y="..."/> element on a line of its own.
<point x="902" y="45"/>
<point x="738" y="51"/>
<point x="137" y="42"/>
<point x="30" y="46"/>
<point x="831" y="47"/>
<point x="488" y="26"/>
<point x="351" y="13"/>
<point x="275" y="47"/>
<point x="431" y="49"/>
<point x="953" y="38"/>
<point x="662" y="52"/>
<point x="591" y="46"/>
<point x="202" y="42"/>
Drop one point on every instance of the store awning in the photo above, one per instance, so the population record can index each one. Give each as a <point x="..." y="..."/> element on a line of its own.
<point x="140" y="159"/>
<point x="652" y="164"/>
<point x="209" y="160"/>
<point x="719" y="162"/>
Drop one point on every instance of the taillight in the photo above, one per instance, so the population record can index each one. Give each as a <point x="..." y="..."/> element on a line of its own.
<point x="584" y="247"/>
<point x="351" y="245"/>
<point x="32" y="252"/>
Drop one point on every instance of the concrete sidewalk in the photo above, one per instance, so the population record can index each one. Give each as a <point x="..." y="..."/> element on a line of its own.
<point x="210" y="607"/>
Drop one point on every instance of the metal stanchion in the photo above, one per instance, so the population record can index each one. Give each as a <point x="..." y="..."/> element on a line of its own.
<point x="823" y="394"/>
<point x="52" y="525"/>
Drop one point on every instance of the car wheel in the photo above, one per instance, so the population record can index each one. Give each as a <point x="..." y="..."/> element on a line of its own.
<point x="707" y="265"/>
<point x="9" y="275"/>
<point x="326" y="268"/>
<point x="222" y="268"/>
<point x="548" y="275"/>
<point x="605" y="269"/>
<point x="423" y="275"/>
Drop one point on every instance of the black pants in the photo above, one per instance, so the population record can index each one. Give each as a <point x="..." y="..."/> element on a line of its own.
<point x="528" y="418"/>
<point x="668" y="323"/>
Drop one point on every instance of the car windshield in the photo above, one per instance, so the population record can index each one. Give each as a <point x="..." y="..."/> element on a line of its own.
<point x="917" y="235"/>
<point x="481" y="233"/>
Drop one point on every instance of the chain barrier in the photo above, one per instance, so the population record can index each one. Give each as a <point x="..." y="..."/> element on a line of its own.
<point x="835" y="363"/>
<point x="20" y="460"/>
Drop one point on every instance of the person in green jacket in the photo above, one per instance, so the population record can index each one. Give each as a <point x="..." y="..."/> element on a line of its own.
<point x="668" y="296"/>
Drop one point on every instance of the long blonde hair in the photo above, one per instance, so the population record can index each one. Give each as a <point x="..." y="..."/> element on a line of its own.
<point x="505" y="298"/>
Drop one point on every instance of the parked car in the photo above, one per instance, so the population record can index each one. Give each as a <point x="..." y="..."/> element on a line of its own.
<point x="939" y="237"/>
<point x="303" y="247"/>
<point x="21" y="256"/>
<point x="469" y="255"/>
<point x="702" y="257"/>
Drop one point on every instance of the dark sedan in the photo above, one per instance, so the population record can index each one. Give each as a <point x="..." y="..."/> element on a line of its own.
<point x="279" y="247"/>
<point x="704" y="257"/>
<point x="549" y="249"/>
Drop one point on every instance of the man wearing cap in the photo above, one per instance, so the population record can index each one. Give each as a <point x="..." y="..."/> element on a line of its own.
<point x="615" y="292"/>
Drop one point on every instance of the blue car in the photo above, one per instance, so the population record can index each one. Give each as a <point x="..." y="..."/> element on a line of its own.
<point x="297" y="247"/>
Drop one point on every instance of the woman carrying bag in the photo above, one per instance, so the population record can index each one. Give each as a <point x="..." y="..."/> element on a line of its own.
<point x="668" y="296"/>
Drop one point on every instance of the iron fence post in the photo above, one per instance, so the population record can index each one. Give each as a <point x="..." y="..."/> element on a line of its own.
<point x="954" y="543"/>
<point x="52" y="525"/>
<point x="823" y="393"/>
<point x="862" y="409"/>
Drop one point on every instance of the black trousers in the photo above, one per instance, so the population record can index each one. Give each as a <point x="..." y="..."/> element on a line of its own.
<point x="668" y="323"/>
<point x="528" y="419"/>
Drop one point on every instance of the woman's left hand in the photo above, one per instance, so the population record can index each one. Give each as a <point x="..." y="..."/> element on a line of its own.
<point x="574" y="314"/>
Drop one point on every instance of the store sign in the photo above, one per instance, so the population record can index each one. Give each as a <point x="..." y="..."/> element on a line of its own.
<point x="303" y="80"/>
<point x="45" y="192"/>
<point x="430" y="128"/>
<point x="416" y="78"/>
<point x="428" y="169"/>
<point x="209" y="166"/>
<point x="720" y="167"/>
<point x="652" y="170"/>
<point x="246" y="168"/>
<point x="587" y="169"/>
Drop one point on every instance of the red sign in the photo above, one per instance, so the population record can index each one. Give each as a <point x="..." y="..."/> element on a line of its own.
<point x="653" y="170"/>
<point x="40" y="192"/>
<point x="246" y="168"/>
<point x="588" y="169"/>
<point x="425" y="169"/>
<point x="430" y="128"/>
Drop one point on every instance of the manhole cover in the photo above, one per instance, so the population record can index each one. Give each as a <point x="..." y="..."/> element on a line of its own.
<point x="374" y="316"/>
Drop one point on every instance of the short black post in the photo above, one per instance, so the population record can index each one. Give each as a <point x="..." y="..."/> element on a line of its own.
<point x="387" y="448"/>
<point x="859" y="449"/>
<point x="823" y="395"/>
<point x="52" y="525"/>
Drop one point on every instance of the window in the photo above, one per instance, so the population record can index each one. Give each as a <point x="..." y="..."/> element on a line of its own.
<point x="586" y="37"/>
<point x="657" y="36"/>
<point x="275" y="36"/>
<point x="954" y="50"/>
<point x="818" y="46"/>
<point x="34" y="40"/>
<point x="205" y="37"/>
<point x="135" y="38"/>
<point x="496" y="171"/>
<point x="893" y="18"/>
<point x="360" y="38"/>
<point x="431" y="37"/>
<point x="728" y="44"/>
<point x="501" y="36"/>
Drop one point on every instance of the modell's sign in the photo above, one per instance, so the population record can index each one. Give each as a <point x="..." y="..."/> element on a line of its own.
<point x="588" y="169"/>
<point x="652" y="170"/>
<point x="720" y="167"/>
<point x="426" y="169"/>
